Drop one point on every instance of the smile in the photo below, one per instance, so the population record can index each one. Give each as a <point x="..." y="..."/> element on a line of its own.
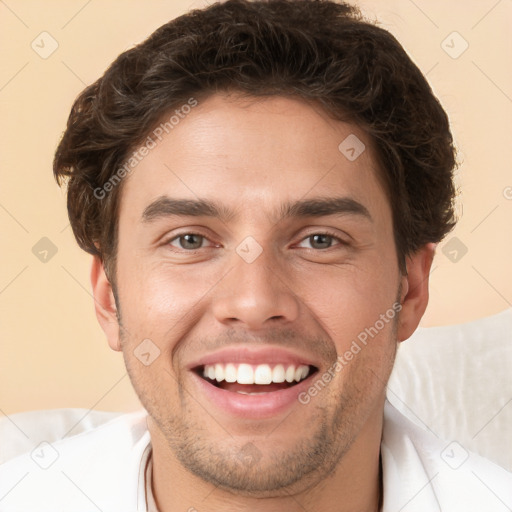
<point x="261" y="374"/>
<point x="252" y="384"/>
<point x="251" y="379"/>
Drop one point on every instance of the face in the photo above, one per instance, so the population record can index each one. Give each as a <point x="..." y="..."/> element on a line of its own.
<point x="257" y="261"/>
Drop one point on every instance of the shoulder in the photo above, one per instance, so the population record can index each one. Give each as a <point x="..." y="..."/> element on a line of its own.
<point x="423" y="472"/>
<point x="61" y="459"/>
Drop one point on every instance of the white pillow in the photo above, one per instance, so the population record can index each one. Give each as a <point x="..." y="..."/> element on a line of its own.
<point x="26" y="430"/>
<point x="456" y="381"/>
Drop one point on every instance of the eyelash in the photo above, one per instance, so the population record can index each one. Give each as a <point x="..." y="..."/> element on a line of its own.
<point x="181" y="235"/>
<point x="328" y="233"/>
<point x="324" y="233"/>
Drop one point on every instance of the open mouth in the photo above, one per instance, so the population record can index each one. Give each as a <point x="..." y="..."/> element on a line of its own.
<point x="252" y="379"/>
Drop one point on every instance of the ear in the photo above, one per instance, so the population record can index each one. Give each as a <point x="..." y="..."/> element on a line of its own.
<point x="414" y="296"/>
<point x="104" y="304"/>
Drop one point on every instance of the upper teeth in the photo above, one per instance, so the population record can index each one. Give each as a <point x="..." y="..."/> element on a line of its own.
<point x="260" y="374"/>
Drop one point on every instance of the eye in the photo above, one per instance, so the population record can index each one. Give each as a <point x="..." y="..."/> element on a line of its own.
<point x="188" y="241"/>
<point x="320" y="241"/>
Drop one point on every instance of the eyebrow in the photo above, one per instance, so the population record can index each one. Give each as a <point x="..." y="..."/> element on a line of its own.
<point x="325" y="206"/>
<point x="165" y="206"/>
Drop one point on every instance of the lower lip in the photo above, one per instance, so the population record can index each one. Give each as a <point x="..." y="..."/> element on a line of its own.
<point x="260" y="406"/>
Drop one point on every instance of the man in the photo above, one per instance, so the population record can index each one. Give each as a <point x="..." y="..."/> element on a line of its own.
<point x="258" y="183"/>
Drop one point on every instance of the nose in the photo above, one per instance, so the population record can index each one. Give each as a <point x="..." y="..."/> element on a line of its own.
<point x="255" y="295"/>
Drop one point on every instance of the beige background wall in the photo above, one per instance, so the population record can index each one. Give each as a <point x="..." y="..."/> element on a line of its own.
<point x="53" y="353"/>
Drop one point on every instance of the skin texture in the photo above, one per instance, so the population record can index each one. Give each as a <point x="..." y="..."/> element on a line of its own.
<point x="251" y="156"/>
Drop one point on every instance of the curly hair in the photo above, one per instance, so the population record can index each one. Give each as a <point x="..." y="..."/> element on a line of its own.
<point x="315" y="50"/>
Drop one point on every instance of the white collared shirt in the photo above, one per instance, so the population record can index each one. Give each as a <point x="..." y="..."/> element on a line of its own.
<point x="107" y="467"/>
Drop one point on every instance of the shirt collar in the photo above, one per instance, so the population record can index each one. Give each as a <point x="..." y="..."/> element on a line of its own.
<point x="407" y="480"/>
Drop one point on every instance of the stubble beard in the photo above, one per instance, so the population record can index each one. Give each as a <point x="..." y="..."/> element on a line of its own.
<point x="331" y="431"/>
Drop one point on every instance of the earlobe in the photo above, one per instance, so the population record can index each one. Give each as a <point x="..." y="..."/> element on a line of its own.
<point x="104" y="304"/>
<point x="414" y="296"/>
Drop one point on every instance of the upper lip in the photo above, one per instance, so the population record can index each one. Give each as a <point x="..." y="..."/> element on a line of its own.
<point x="254" y="355"/>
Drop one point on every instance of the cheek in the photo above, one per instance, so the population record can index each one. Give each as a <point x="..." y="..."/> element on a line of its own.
<point x="347" y="300"/>
<point x="161" y="302"/>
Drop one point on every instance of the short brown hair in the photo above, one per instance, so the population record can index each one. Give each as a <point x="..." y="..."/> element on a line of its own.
<point x="317" y="50"/>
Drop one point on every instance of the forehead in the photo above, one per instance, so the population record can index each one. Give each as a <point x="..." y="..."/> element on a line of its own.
<point x="252" y="155"/>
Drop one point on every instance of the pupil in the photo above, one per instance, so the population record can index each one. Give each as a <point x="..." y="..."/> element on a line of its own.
<point x="191" y="241"/>
<point x="321" y="241"/>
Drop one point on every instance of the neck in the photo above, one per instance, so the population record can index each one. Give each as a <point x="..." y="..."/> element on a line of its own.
<point x="354" y="485"/>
